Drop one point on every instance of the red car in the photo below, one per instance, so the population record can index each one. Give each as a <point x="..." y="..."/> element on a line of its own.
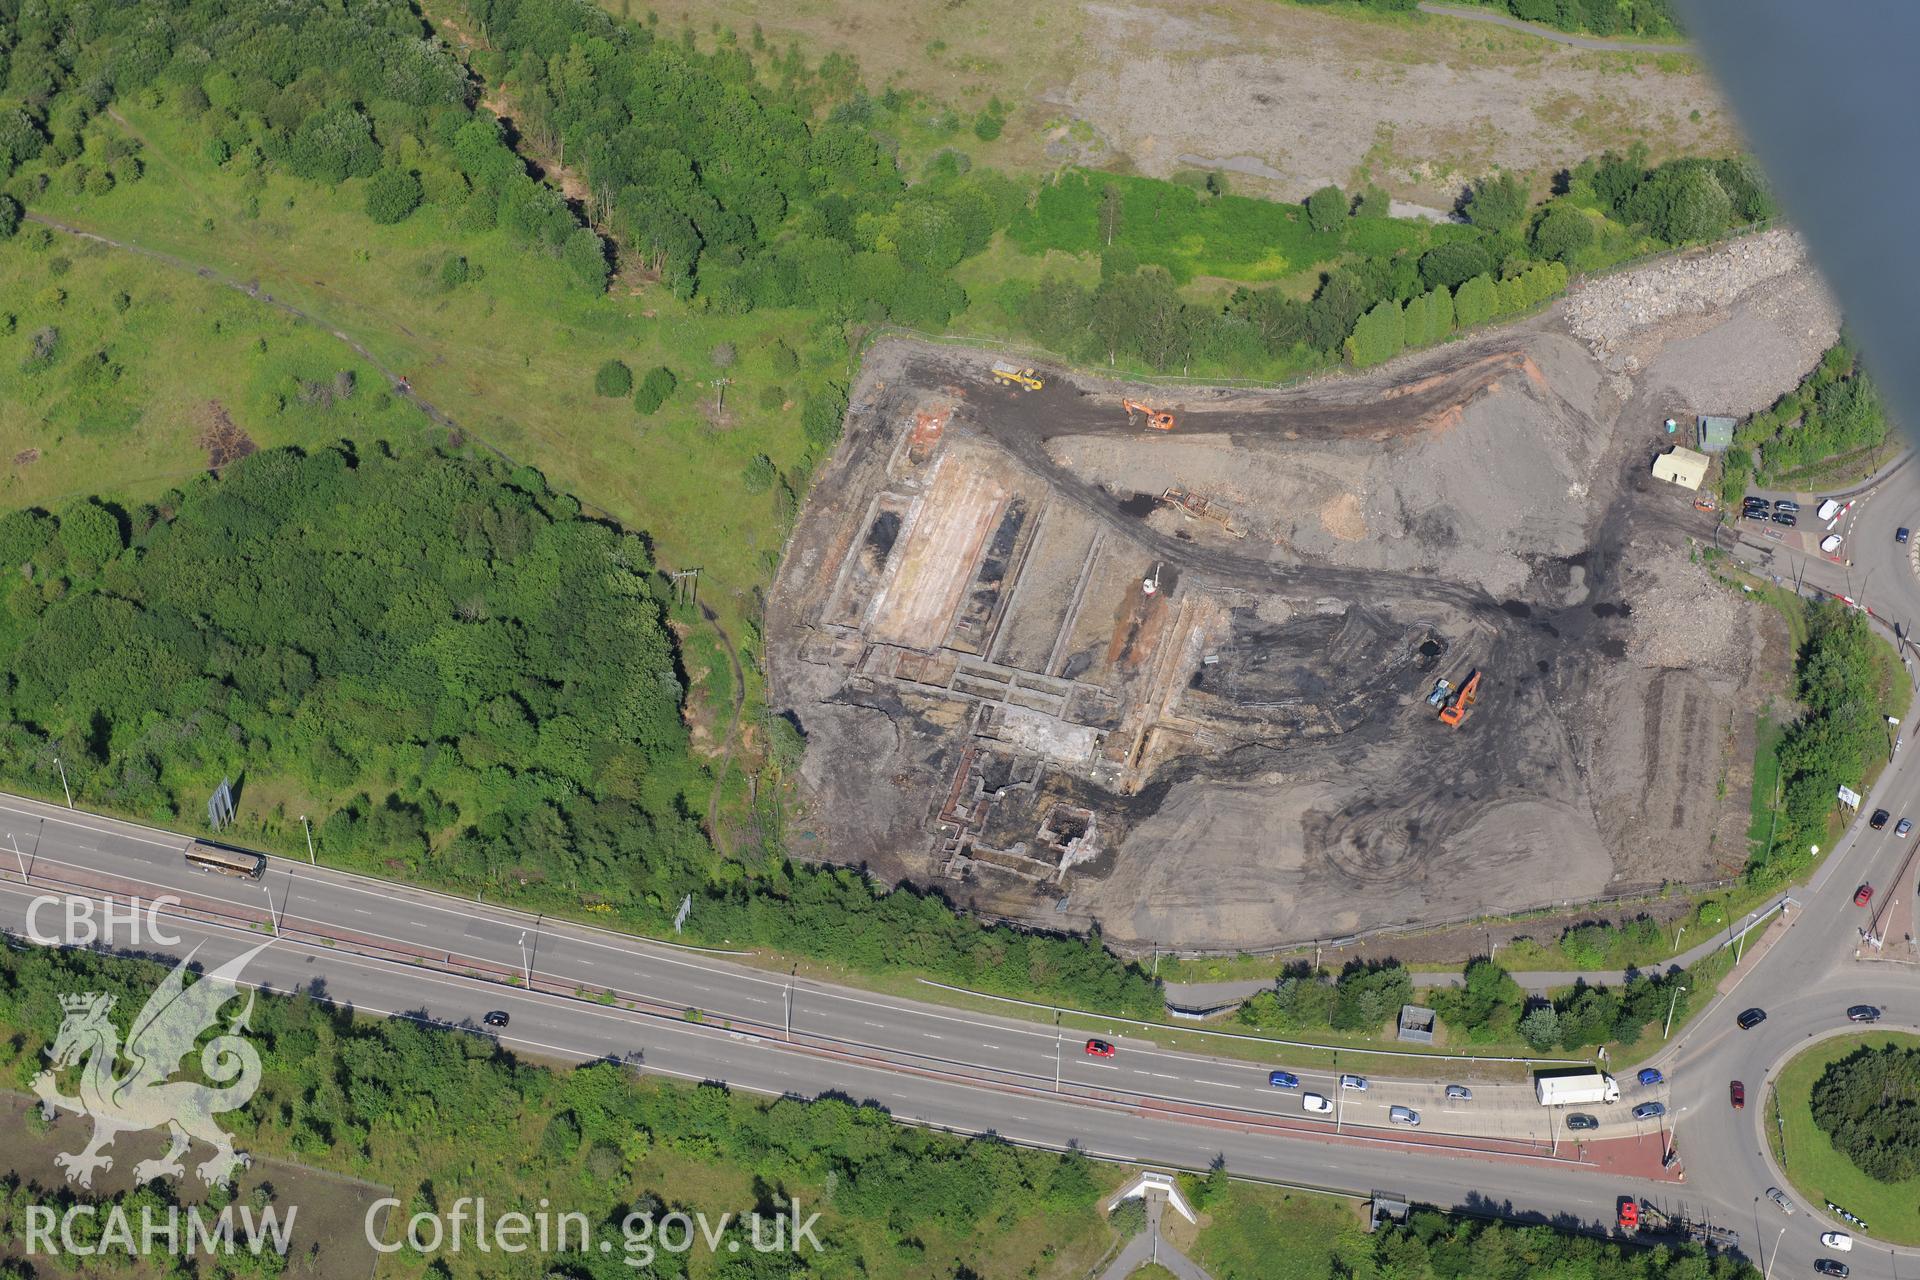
<point x="1629" y="1214"/>
<point x="1863" y="895"/>
<point x="1099" y="1049"/>
<point x="1737" y="1094"/>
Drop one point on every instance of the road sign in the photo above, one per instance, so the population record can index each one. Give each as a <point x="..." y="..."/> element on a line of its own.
<point x="220" y="805"/>
<point x="1849" y="797"/>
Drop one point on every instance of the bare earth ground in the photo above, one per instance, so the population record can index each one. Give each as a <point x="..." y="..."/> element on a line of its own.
<point x="1243" y="756"/>
<point x="1288" y="97"/>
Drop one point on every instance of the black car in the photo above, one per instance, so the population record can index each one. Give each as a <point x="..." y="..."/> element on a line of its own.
<point x="1828" y="1267"/>
<point x="1863" y="1013"/>
<point x="497" y="1018"/>
<point x="1751" y="1019"/>
<point x="1879" y="822"/>
<point x="1786" y="518"/>
<point x="1580" y="1121"/>
<point x="1786" y="504"/>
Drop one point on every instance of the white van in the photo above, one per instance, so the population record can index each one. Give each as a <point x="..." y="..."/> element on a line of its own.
<point x="1831" y="543"/>
<point x="1828" y="509"/>
<point x="1315" y="1103"/>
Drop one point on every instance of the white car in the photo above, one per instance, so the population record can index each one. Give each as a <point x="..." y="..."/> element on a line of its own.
<point x="1315" y="1103"/>
<point x="1839" y="1241"/>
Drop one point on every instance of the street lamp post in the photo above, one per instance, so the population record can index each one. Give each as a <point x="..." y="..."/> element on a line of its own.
<point x="20" y="857"/>
<point x="1776" y="1253"/>
<point x="1677" y="993"/>
<point x="526" y="961"/>
<point x="309" y="827"/>
<point x="272" y="921"/>
<point x="63" y="781"/>
<point x="1676" y="937"/>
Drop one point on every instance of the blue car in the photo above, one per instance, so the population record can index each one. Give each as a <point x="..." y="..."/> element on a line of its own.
<point x="1283" y="1080"/>
<point x="1651" y="1075"/>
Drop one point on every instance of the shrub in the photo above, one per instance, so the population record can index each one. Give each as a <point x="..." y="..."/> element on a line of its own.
<point x="759" y="474"/>
<point x="10" y="216"/>
<point x="655" y="387"/>
<point x="613" y="380"/>
<point x="392" y="194"/>
<point x="820" y="420"/>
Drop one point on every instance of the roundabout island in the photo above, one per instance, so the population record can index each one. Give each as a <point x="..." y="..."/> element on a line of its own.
<point x="1845" y="1100"/>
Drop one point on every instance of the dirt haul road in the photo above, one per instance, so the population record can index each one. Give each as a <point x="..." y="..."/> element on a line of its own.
<point x="1074" y="672"/>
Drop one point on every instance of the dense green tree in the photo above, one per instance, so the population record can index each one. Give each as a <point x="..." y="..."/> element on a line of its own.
<point x="1452" y="264"/>
<point x="1378" y="335"/>
<point x="1327" y="209"/>
<point x="10" y="216"/>
<point x="1498" y="203"/>
<point x="392" y="194"/>
<point x="1561" y="232"/>
<point x="1334" y="309"/>
<point x="1868" y="1103"/>
<point x="1475" y="302"/>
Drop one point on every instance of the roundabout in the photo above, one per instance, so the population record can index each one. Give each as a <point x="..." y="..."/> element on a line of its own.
<point x="1817" y="1172"/>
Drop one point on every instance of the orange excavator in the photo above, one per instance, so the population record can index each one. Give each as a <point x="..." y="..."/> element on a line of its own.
<point x="1158" y="419"/>
<point x="1461" y="704"/>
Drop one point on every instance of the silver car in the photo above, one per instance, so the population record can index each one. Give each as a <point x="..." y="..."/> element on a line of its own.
<point x="1459" y="1093"/>
<point x="1404" y="1115"/>
<point x="1779" y="1197"/>
<point x="1354" y="1082"/>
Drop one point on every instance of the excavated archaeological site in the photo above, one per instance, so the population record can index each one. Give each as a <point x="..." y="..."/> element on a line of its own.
<point x="1072" y="670"/>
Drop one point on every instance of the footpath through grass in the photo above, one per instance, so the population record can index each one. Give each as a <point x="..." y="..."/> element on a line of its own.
<point x="1817" y="1170"/>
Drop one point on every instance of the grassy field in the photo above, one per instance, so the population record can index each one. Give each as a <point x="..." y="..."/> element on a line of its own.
<point x="1265" y="1233"/>
<point x="510" y="357"/>
<point x="146" y="361"/>
<point x="1766" y="783"/>
<point x="1817" y="1171"/>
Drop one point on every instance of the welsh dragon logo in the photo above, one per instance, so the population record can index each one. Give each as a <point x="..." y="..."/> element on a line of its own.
<point x="143" y="1096"/>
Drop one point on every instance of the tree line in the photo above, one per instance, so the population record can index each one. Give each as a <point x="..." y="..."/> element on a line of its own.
<point x="436" y="1114"/>
<point x="1389" y="285"/>
<point x="1488" y="1007"/>
<point x="1839" y="733"/>
<point x="1834" y="411"/>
